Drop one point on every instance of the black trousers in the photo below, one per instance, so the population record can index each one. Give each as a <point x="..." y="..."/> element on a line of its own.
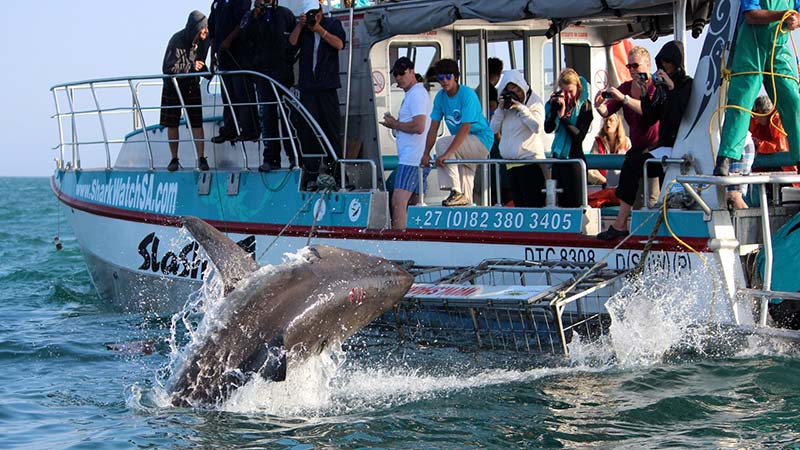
<point x="273" y="125"/>
<point x="527" y="183"/>
<point x="632" y="173"/>
<point x="568" y="179"/>
<point x="324" y="108"/>
<point x="240" y="89"/>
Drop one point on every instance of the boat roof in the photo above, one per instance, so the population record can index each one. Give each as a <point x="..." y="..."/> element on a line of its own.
<point x="421" y="16"/>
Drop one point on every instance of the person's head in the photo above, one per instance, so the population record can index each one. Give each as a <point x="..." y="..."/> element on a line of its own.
<point x="763" y="105"/>
<point x="513" y="81"/>
<point x="403" y="73"/>
<point x="638" y="61"/>
<point x="612" y="127"/>
<point x="670" y="58"/>
<point x="569" y="82"/>
<point x="196" y="26"/>
<point x="495" y="67"/>
<point x="448" y="74"/>
<point x="312" y="8"/>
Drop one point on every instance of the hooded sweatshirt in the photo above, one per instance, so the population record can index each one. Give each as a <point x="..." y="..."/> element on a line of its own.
<point x="182" y="52"/>
<point x="522" y="126"/>
<point x="667" y="107"/>
<point x="570" y="131"/>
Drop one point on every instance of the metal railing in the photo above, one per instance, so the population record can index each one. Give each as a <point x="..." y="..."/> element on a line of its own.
<point x="496" y="163"/>
<point x="127" y="99"/>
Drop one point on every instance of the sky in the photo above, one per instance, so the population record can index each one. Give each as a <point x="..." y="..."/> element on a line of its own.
<point x="54" y="41"/>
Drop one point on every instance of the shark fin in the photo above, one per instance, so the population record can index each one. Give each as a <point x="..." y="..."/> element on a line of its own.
<point x="232" y="262"/>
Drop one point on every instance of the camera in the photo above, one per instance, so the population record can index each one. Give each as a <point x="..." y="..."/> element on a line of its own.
<point x="311" y="18"/>
<point x="508" y="99"/>
<point x="606" y="94"/>
<point x="643" y="76"/>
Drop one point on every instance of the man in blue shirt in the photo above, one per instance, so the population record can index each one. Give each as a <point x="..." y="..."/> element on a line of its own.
<point x="471" y="137"/>
<point x="320" y="39"/>
<point x="753" y="55"/>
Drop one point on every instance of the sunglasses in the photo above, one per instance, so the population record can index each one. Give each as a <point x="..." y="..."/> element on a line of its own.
<point x="443" y="76"/>
<point x="399" y="73"/>
<point x="632" y="66"/>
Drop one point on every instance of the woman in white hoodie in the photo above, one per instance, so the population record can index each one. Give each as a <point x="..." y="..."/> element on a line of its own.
<point x="519" y="119"/>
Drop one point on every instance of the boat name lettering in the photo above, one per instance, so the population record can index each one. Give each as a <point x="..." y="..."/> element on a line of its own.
<point x="671" y="262"/>
<point x="449" y="291"/>
<point x="580" y="255"/>
<point x="186" y="264"/>
<point x="493" y="220"/>
<point x="141" y="193"/>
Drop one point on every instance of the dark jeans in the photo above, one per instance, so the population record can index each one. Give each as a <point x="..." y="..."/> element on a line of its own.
<point x="527" y="183"/>
<point x="632" y="173"/>
<point x="568" y="178"/>
<point x="323" y="105"/>
<point x="273" y="125"/>
<point x="240" y="89"/>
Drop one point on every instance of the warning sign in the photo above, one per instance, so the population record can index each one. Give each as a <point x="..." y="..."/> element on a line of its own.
<point x="378" y="81"/>
<point x="601" y="80"/>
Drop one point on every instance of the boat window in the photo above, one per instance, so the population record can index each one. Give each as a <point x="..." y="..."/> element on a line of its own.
<point x="424" y="55"/>
<point x="576" y="56"/>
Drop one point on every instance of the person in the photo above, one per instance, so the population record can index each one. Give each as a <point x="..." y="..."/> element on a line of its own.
<point x="470" y="135"/>
<point x="228" y="52"/>
<point x="495" y="68"/>
<point x="752" y="56"/>
<point x="411" y="124"/>
<point x="610" y="140"/>
<point x="568" y="114"/>
<point x="320" y="39"/>
<point x="519" y="118"/>
<point x="767" y="131"/>
<point x="186" y="53"/>
<point x="267" y="29"/>
<point x="644" y="134"/>
<point x="735" y="193"/>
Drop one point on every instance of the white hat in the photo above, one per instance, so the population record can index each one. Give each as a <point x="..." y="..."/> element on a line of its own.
<point x="310" y="5"/>
<point x="512" y="76"/>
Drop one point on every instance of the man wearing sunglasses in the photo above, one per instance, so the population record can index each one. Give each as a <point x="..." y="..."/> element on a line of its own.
<point x="752" y="63"/>
<point x="470" y="135"/>
<point x="411" y="126"/>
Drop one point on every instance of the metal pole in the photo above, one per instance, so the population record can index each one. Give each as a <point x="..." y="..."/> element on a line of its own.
<point x="497" y="184"/>
<point x="233" y="112"/>
<point x="102" y="126"/>
<point x="76" y="154"/>
<point x="138" y="108"/>
<point x="767" y="235"/>
<point x="60" y="129"/>
<point x="285" y="118"/>
<point x="679" y="19"/>
<point x="421" y="175"/>
<point x="349" y="82"/>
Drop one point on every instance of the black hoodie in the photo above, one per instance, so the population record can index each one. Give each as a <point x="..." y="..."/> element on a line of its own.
<point x="181" y="51"/>
<point x="667" y="107"/>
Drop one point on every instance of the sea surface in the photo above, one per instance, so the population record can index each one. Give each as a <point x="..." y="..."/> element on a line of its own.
<point x="61" y="387"/>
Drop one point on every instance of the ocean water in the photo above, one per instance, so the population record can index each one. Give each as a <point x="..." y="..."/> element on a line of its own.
<point x="61" y="387"/>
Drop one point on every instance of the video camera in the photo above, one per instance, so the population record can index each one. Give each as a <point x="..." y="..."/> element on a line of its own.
<point x="311" y="19"/>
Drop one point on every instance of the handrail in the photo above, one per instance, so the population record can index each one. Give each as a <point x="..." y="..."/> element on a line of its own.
<point x="664" y="162"/>
<point x="497" y="162"/>
<point x="373" y="170"/>
<point x="284" y="99"/>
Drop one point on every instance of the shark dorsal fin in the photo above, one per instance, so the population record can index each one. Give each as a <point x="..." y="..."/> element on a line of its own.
<point x="232" y="262"/>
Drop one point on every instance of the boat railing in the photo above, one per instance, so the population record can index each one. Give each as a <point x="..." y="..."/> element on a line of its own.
<point x="689" y="183"/>
<point x="101" y="100"/>
<point x="495" y="164"/>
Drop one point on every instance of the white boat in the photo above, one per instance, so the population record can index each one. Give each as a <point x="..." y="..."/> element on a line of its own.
<point x="528" y="267"/>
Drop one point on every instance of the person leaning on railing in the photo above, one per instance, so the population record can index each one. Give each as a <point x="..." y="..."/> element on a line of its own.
<point x="568" y="114"/>
<point x="519" y="118"/>
<point x="186" y="53"/>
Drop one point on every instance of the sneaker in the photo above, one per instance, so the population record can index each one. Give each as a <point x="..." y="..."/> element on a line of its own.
<point x="202" y="163"/>
<point x="173" y="165"/>
<point x="611" y="234"/>
<point x="249" y="136"/>
<point x="455" y="199"/>
<point x="723" y="166"/>
<point x="267" y="167"/>
<point x="221" y="138"/>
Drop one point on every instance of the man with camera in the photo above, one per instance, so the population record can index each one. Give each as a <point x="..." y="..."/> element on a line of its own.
<point x="266" y="29"/>
<point x="320" y="39"/>
<point x="411" y="126"/>
<point x="519" y="118"/>
<point x="643" y="134"/>
<point x="229" y="53"/>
